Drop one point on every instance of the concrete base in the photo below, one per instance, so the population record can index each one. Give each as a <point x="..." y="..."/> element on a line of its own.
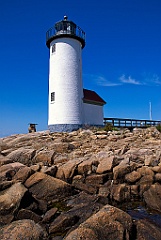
<point x="64" y="127"/>
<point x="69" y="127"/>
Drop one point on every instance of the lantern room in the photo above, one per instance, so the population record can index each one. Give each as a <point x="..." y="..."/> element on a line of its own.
<point x="65" y="28"/>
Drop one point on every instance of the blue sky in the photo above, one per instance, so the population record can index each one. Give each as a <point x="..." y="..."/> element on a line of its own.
<point x="121" y="59"/>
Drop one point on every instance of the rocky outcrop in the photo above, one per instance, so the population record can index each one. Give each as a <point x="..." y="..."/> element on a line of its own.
<point x="74" y="185"/>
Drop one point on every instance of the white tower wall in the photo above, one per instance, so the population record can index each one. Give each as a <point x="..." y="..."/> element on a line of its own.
<point x="65" y="82"/>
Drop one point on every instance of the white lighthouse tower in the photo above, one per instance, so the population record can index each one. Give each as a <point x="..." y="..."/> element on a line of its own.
<point x="70" y="106"/>
<point x="65" y="110"/>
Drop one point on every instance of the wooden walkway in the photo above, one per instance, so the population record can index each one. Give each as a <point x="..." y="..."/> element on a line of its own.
<point x="130" y="123"/>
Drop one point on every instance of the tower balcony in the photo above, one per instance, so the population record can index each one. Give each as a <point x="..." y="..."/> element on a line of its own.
<point x="65" y="28"/>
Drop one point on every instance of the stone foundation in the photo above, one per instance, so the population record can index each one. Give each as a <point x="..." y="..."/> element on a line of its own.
<point x="69" y="127"/>
<point x="64" y="127"/>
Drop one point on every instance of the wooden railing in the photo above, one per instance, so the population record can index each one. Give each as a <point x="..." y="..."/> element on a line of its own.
<point x="130" y="123"/>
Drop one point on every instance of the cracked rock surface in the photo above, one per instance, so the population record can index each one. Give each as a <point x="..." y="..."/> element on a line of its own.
<point x="74" y="185"/>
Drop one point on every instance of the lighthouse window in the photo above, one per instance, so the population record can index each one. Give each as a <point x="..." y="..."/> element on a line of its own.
<point x="53" y="48"/>
<point x="52" y="96"/>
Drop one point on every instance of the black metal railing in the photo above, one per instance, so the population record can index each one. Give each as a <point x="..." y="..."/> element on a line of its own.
<point x="130" y="123"/>
<point x="65" y="29"/>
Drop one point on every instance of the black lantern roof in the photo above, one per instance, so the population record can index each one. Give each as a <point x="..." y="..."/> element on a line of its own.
<point x="65" y="28"/>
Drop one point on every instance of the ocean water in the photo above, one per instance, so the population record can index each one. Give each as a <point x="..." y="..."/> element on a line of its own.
<point x="140" y="212"/>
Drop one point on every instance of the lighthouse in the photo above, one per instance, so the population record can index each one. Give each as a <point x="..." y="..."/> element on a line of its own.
<point x="66" y="99"/>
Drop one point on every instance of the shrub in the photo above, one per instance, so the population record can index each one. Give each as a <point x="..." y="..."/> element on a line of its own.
<point x="109" y="127"/>
<point x="158" y="127"/>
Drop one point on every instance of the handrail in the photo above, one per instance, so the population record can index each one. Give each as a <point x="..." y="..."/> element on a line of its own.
<point x="131" y="123"/>
<point x="78" y="32"/>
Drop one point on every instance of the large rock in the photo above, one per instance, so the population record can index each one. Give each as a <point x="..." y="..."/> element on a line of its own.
<point x="106" y="163"/>
<point x="152" y="132"/>
<point x="96" y="179"/>
<point x="28" y="214"/>
<point x="120" y="192"/>
<point x="82" y="199"/>
<point x="60" y="147"/>
<point x="45" y="187"/>
<point x="50" y="170"/>
<point x="49" y="215"/>
<point x="79" y="183"/>
<point x="147" y="231"/>
<point x="105" y="189"/>
<point x="156" y="169"/>
<point x="146" y="180"/>
<point x="62" y="223"/>
<point x="22" y="155"/>
<point x="23" y="174"/>
<point x="67" y="170"/>
<point x="152" y="197"/>
<point x="7" y="171"/>
<point x="158" y="177"/>
<point x="108" y="223"/>
<point x="88" y="166"/>
<point x="126" y="166"/>
<point x="83" y="206"/>
<point x="10" y="200"/>
<point x="45" y="156"/>
<point x="5" y="184"/>
<point x="144" y="170"/>
<point x="34" y="179"/>
<point x="151" y="160"/>
<point x="145" y="183"/>
<point x="11" y="197"/>
<point x="134" y="191"/>
<point x="17" y="140"/>
<point x="132" y="177"/>
<point x="85" y="233"/>
<point x="23" y="229"/>
<point x="4" y="160"/>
